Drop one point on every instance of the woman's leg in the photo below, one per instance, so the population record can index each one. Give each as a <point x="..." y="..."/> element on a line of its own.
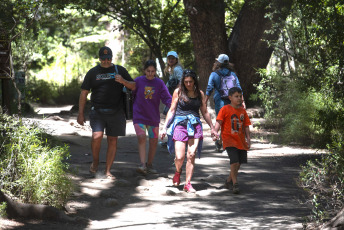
<point x="180" y="154"/>
<point x="191" y="155"/>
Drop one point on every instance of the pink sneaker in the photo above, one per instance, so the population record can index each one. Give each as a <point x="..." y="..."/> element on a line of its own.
<point x="188" y="188"/>
<point x="176" y="178"/>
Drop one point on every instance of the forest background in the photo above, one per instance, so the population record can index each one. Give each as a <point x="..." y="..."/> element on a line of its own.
<point x="288" y="56"/>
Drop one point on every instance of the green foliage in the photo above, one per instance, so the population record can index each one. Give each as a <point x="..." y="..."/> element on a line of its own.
<point x="51" y="93"/>
<point x="290" y="110"/>
<point x="3" y="207"/>
<point x="303" y="96"/>
<point x="324" y="180"/>
<point x="32" y="164"/>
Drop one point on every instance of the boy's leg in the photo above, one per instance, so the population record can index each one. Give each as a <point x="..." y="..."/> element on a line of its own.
<point x="234" y="172"/>
<point x="233" y="156"/>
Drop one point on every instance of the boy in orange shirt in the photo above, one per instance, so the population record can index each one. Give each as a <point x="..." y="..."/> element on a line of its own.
<point x="234" y="123"/>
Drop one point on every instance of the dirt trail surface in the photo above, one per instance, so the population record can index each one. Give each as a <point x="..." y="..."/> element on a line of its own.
<point x="269" y="197"/>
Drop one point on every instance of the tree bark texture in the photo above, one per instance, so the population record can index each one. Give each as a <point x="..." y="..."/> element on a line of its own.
<point x="247" y="44"/>
<point x="208" y="34"/>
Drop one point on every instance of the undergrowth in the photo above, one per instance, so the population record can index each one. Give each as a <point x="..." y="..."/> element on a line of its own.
<point x="32" y="164"/>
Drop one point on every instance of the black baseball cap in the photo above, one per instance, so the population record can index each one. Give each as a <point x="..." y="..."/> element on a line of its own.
<point x="105" y="52"/>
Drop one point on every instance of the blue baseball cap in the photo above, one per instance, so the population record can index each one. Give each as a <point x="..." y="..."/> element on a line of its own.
<point x="172" y="53"/>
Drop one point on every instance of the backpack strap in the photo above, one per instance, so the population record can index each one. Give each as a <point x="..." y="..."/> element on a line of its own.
<point x="116" y="69"/>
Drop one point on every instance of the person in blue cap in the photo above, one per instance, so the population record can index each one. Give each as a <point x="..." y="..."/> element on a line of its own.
<point x="174" y="71"/>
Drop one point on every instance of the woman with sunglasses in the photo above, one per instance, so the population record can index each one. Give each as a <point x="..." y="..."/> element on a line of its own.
<point x="184" y="127"/>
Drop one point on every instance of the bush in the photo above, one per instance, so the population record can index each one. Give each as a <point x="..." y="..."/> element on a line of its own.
<point x="324" y="180"/>
<point x="32" y="164"/>
<point x="290" y="110"/>
<point x="50" y="93"/>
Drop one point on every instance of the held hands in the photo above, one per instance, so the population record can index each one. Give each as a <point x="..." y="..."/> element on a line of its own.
<point x="214" y="135"/>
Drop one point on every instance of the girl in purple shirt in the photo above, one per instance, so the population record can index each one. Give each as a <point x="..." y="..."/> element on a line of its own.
<point x="149" y="90"/>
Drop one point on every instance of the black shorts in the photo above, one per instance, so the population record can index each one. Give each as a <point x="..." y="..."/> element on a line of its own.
<point x="113" y="122"/>
<point x="236" y="155"/>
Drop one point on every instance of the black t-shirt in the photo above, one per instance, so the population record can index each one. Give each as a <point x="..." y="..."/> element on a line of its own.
<point x="190" y="107"/>
<point x="106" y="92"/>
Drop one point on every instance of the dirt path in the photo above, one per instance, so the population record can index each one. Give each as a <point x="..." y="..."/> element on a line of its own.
<point x="269" y="198"/>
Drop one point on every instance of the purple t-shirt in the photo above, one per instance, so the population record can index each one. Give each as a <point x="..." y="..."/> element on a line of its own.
<point x="148" y="94"/>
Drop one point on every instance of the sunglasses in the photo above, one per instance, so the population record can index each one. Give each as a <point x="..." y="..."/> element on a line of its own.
<point x="103" y="59"/>
<point x="190" y="73"/>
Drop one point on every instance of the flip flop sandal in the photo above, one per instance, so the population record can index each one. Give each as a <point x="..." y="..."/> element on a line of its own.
<point x="110" y="177"/>
<point x="93" y="169"/>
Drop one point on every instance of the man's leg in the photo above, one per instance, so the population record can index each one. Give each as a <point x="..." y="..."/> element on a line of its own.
<point x="110" y="154"/>
<point x="95" y="146"/>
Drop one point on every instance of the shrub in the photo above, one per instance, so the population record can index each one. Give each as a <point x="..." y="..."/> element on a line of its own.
<point x="32" y="164"/>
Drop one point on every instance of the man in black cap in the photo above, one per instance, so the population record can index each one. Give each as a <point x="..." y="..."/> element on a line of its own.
<point x="106" y="82"/>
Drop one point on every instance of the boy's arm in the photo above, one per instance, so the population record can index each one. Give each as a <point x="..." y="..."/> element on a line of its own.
<point x="218" y="124"/>
<point x="248" y="136"/>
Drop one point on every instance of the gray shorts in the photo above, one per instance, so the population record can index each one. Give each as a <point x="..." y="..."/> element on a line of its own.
<point x="113" y="122"/>
<point x="236" y="155"/>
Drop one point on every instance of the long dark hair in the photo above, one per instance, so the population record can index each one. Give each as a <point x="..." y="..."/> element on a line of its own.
<point x="150" y="63"/>
<point x="183" y="92"/>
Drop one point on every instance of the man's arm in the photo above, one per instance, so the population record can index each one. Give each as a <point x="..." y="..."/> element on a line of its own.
<point x="82" y="102"/>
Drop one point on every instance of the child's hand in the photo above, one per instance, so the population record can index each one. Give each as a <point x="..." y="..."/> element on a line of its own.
<point x="214" y="135"/>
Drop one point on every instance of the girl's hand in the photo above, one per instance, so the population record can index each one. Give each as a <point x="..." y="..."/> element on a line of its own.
<point x="163" y="133"/>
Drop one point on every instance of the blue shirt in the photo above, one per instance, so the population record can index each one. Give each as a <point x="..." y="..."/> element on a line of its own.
<point x="215" y="83"/>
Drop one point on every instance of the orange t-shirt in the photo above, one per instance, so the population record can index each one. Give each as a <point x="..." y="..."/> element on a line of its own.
<point x="233" y="126"/>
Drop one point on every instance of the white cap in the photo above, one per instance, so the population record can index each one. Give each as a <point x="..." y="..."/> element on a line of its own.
<point x="222" y="58"/>
<point x="172" y="53"/>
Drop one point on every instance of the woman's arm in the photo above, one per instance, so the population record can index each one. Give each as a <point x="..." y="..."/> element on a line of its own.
<point x="170" y="112"/>
<point x="206" y="115"/>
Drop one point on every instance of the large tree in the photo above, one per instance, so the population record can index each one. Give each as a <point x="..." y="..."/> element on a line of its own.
<point x="247" y="45"/>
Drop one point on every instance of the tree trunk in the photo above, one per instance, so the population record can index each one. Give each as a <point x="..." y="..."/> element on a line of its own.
<point x="32" y="211"/>
<point x="336" y="222"/>
<point x="246" y="44"/>
<point x="208" y="34"/>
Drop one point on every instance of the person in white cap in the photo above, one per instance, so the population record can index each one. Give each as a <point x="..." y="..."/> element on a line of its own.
<point x="222" y="68"/>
